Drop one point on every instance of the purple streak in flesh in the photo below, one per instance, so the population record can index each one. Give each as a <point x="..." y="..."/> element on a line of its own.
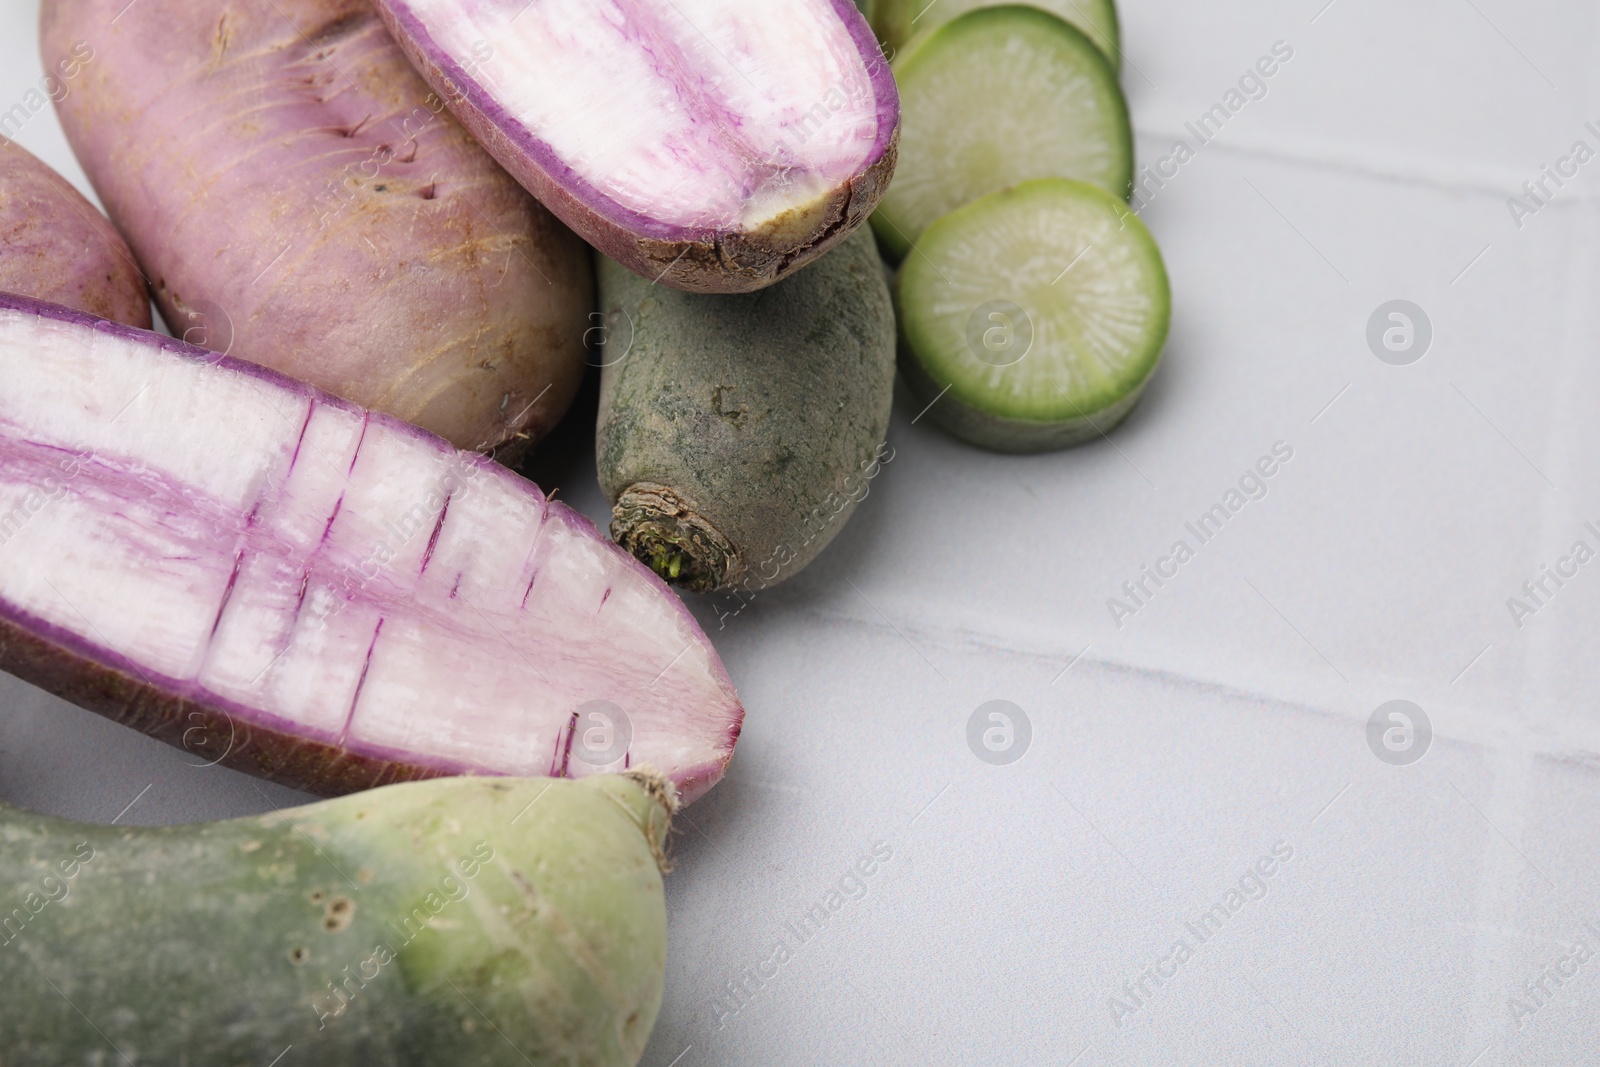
<point x="713" y="145"/>
<point x="213" y="553"/>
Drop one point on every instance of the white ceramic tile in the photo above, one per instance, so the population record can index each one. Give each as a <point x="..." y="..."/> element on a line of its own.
<point x="1475" y="93"/>
<point x="1381" y="555"/>
<point x="1229" y="714"/>
<point x="1019" y="899"/>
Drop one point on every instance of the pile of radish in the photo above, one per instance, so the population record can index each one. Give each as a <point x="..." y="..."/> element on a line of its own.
<point x="386" y="238"/>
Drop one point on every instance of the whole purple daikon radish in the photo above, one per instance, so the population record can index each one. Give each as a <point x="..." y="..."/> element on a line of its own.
<point x="56" y="246"/>
<point x="298" y="196"/>
<point x="282" y="582"/>
<point x="712" y="145"/>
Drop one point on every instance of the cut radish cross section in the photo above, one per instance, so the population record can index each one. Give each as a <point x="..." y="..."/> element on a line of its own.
<point x="280" y="581"/>
<point x="713" y="145"/>
<point x="999" y="96"/>
<point x="1034" y="317"/>
<point x="897" y="21"/>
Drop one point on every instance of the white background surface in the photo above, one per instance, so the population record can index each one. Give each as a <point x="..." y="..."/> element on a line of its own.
<point x="1227" y="715"/>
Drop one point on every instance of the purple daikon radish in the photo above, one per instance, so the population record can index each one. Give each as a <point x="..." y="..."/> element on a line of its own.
<point x="282" y="582"/>
<point x="56" y="246"/>
<point x="713" y="145"/>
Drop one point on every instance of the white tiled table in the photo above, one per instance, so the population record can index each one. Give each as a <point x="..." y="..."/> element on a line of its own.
<point x="1228" y="716"/>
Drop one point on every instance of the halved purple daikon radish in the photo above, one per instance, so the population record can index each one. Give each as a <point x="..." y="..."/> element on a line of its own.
<point x="282" y="582"/>
<point x="714" y="145"/>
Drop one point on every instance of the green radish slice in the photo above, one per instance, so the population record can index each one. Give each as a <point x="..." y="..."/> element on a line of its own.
<point x="995" y="97"/>
<point x="1032" y="319"/>
<point x="897" y="21"/>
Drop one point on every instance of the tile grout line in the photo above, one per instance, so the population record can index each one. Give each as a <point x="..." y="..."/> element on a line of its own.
<point x="1481" y="729"/>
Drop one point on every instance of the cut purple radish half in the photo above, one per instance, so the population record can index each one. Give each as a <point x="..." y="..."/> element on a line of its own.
<point x="713" y="145"/>
<point x="282" y="582"/>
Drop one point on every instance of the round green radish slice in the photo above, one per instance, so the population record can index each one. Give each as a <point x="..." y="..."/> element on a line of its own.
<point x="1032" y="318"/>
<point x="995" y="97"/>
<point x="898" y="20"/>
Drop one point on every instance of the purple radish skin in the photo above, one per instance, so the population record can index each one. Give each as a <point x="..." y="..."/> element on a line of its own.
<point x="299" y="197"/>
<point x="56" y="246"/>
<point x="282" y="582"/>
<point x="711" y="145"/>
